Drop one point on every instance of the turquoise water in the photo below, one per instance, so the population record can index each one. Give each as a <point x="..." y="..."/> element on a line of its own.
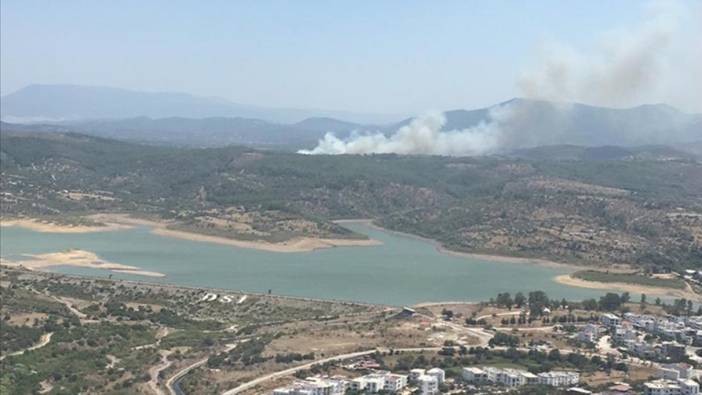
<point x="401" y="271"/>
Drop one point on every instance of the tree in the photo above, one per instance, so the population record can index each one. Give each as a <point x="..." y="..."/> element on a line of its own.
<point x="503" y="339"/>
<point x="519" y="299"/>
<point x="658" y="301"/>
<point x="554" y="355"/>
<point x="504" y="299"/>
<point x="643" y="298"/>
<point x="625" y="297"/>
<point x="537" y="301"/>
<point x="590" y="304"/>
<point x="610" y="302"/>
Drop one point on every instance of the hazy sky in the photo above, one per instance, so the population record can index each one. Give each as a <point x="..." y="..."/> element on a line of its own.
<point x="366" y="56"/>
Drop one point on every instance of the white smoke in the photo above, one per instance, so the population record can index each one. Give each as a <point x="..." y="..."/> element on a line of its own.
<point x="423" y="136"/>
<point x="660" y="58"/>
<point x="627" y="67"/>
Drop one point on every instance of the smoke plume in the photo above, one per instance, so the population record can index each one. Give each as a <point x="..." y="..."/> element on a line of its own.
<point x="423" y="136"/>
<point x="625" y="68"/>
<point x="661" y="58"/>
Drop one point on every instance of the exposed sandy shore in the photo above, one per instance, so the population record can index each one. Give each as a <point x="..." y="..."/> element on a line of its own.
<point x="50" y="227"/>
<point x="77" y="258"/>
<point x="123" y="221"/>
<point x="302" y="244"/>
<point x="294" y="245"/>
<point x="567" y="279"/>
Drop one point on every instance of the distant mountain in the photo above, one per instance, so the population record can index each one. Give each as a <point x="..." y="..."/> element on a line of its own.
<point x="523" y="123"/>
<point x="42" y="103"/>
<point x="324" y="124"/>
<point x="532" y="123"/>
<point x="209" y="132"/>
<point x="202" y="132"/>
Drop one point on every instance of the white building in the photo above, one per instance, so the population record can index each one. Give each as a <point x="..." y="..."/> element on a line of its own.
<point x="474" y="375"/>
<point x="438" y="373"/>
<point x="506" y="377"/>
<point x="558" y="379"/>
<point x="358" y="384"/>
<point x="314" y="386"/>
<point x="623" y="333"/>
<point x="381" y="381"/>
<point x="510" y="378"/>
<point x="415" y="373"/>
<point x="590" y="333"/>
<point x="395" y="382"/>
<point x="610" y="319"/>
<point x="675" y="371"/>
<point x="428" y="385"/>
<point x="671" y="387"/>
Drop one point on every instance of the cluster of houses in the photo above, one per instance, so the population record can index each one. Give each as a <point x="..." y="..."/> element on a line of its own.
<point x="516" y="377"/>
<point x="674" y="379"/>
<point x="627" y="333"/>
<point x="426" y="382"/>
<point x="671" y="387"/>
<point x="423" y="381"/>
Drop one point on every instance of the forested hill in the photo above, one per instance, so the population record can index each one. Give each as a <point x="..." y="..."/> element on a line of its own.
<point x="637" y="209"/>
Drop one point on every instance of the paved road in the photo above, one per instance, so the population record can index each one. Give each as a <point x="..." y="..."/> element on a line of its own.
<point x="481" y="334"/>
<point x="287" y="372"/>
<point x="482" y="317"/>
<point x="170" y="383"/>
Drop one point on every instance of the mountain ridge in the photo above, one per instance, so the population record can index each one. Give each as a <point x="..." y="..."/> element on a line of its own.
<point x="524" y="123"/>
<point x="69" y="102"/>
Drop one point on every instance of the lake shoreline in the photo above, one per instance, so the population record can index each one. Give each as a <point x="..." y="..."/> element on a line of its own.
<point x="43" y="226"/>
<point x="408" y="261"/>
<point x="569" y="280"/>
<point x="121" y="221"/>
<point x="76" y="258"/>
<point x="485" y="257"/>
<point x="116" y="221"/>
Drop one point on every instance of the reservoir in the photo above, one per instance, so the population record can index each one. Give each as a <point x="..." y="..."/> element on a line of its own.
<point x="402" y="271"/>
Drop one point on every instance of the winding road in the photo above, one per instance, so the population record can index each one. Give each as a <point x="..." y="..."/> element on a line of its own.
<point x="171" y="382"/>
<point x="287" y="372"/>
<point x="43" y="341"/>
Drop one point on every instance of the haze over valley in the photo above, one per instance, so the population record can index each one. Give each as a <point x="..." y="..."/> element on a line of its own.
<point x="351" y="198"/>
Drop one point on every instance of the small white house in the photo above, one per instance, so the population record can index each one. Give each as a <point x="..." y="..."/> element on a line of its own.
<point x="609" y="319"/>
<point x="428" y="385"/>
<point x="474" y="375"/>
<point x="438" y="373"/>
<point x="415" y="373"/>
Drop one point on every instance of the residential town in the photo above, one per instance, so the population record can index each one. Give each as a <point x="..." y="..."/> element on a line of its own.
<point x="666" y="344"/>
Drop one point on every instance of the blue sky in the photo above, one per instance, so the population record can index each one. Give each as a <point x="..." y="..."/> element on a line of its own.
<point x="365" y="56"/>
